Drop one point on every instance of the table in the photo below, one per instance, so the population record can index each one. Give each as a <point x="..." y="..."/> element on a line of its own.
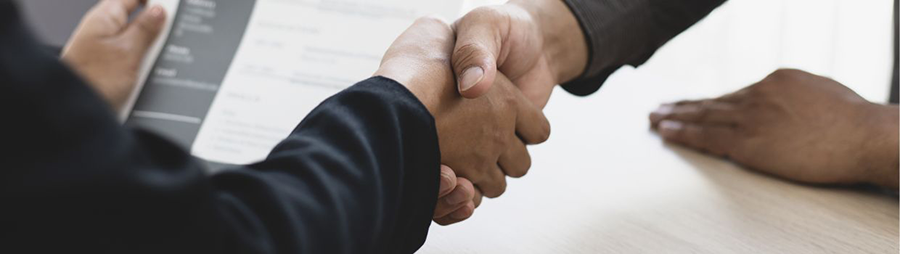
<point x="605" y="183"/>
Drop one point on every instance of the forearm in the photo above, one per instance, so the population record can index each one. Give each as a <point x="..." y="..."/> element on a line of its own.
<point x="359" y="174"/>
<point x="564" y="43"/>
<point x="628" y="32"/>
<point x="884" y="160"/>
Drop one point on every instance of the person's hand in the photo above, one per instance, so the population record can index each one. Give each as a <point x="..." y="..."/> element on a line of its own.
<point x="480" y="138"/>
<point x="457" y="198"/>
<point x="795" y="125"/>
<point x="536" y="43"/>
<point x="107" y="49"/>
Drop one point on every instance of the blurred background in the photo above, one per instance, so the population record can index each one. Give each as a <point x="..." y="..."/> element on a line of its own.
<point x="741" y="42"/>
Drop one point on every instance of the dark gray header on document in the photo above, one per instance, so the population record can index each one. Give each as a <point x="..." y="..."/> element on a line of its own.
<point x="186" y="76"/>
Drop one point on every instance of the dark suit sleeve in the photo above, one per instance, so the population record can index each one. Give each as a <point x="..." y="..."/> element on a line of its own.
<point x="628" y="32"/>
<point x="358" y="175"/>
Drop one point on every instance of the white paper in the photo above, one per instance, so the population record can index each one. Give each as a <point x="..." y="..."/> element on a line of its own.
<point x="293" y="55"/>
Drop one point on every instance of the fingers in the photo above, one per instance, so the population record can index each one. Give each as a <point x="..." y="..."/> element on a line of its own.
<point x="145" y="28"/>
<point x="128" y="6"/>
<point x="109" y="17"/>
<point x="464" y="212"/>
<point x="478" y="197"/>
<point x="494" y="183"/>
<point x="715" y="139"/>
<point x="531" y="124"/>
<point x="516" y="161"/>
<point x="462" y="193"/>
<point x="478" y="42"/>
<point x="448" y="181"/>
<point x="535" y="85"/>
<point x="705" y="111"/>
<point x="460" y="214"/>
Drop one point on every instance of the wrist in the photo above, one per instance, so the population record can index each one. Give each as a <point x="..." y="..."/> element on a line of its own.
<point x="429" y="93"/>
<point x="564" y="44"/>
<point x="883" y="150"/>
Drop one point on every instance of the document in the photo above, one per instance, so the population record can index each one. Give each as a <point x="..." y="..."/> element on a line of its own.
<point x="229" y="80"/>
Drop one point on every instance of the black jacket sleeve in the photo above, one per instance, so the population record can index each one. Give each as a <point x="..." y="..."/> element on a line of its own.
<point x="628" y="32"/>
<point x="358" y="175"/>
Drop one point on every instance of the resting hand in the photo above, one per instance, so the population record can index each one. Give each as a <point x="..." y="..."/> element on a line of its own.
<point x="107" y="49"/>
<point x="795" y="125"/>
<point x="536" y="43"/>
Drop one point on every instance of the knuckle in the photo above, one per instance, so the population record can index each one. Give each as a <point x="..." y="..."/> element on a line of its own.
<point x="485" y="12"/>
<point x="432" y="20"/>
<point x="496" y="190"/>
<point x="765" y="87"/>
<point x="516" y="171"/>
<point x="783" y="72"/>
<point x="484" y="175"/>
<point x="543" y="134"/>
<point x="703" y="111"/>
<point x="782" y="75"/>
<point x="436" y="26"/>
<point x="493" y="188"/>
<point x="121" y="47"/>
<point x="526" y="163"/>
<point x="523" y="168"/>
<point x="683" y="102"/>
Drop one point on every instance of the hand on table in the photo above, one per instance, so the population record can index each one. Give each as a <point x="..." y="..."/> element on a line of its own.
<point x="537" y="44"/>
<point x="795" y="125"/>
<point x="107" y="49"/>
<point x="483" y="140"/>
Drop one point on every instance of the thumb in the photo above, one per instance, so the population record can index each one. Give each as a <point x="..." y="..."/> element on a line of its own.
<point x="475" y="55"/>
<point x="144" y="30"/>
<point x="448" y="181"/>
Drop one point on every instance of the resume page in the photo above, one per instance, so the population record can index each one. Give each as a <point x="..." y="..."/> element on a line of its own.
<point x="233" y="78"/>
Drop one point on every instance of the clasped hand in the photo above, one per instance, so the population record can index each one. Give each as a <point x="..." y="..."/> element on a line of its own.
<point x="506" y="59"/>
<point x="484" y="139"/>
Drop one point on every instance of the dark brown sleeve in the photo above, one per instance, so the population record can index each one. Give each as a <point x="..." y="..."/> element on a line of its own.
<point x="621" y="32"/>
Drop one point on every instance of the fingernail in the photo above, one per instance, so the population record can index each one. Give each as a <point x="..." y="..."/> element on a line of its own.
<point x="156" y="12"/>
<point x="664" y="109"/>
<point x="470" y="77"/>
<point x="455" y="198"/>
<point x="668" y="128"/>
<point x="660" y="113"/>
<point x="445" y="183"/>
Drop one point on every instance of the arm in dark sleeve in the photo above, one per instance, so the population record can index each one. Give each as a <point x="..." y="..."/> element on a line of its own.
<point x="628" y="32"/>
<point x="358" y="175"/>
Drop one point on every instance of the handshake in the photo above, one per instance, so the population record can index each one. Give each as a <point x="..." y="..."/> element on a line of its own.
<point x="485" y="80"/>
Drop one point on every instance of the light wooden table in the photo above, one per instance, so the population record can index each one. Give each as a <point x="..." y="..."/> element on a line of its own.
<point x="605" y="183"/>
